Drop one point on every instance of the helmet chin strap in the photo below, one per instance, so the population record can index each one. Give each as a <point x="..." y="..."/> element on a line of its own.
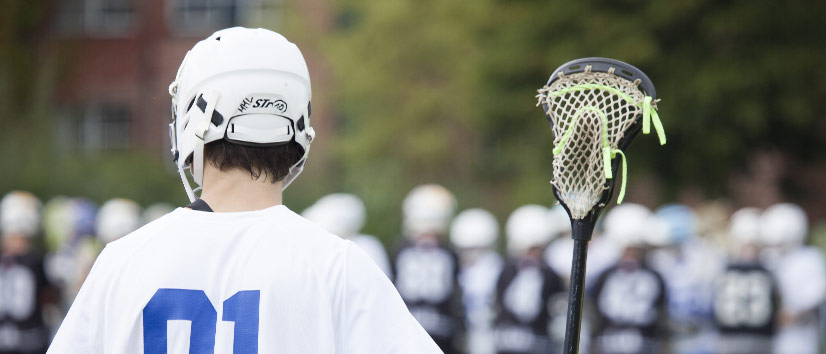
<point x="189" y="193"/>
<point x="296" y="168"/>
<point x="211" y="99"/>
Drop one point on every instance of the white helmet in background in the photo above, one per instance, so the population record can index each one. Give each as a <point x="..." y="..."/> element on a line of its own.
<point x="246" y="86"/>
<point x="744" y="226"/>
<point x="474" y="228"/>
<point x="20" y="214"/>
<point x="58" y="222"/>
<point x="427" y="209"/>
<point x="116" y="218"/>
<point x="784" y="224"/>
<point x="626" y="224"/>
<point x="656" y="232"/>
<point x="155" y="211"/>
<point x="341" y="214"/>
<point x="671" y="224"/>
<point x="559" y="220"/>
<point x="528" y="226"/>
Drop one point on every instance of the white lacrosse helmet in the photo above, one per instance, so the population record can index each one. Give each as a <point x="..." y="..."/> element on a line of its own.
<point x="625" y="225"/>
<point x="20" y="214"/>
<point x="744" y="226"/>
<point x="528" y="226"/>
<point x="246" y="86"/>
<point x="681" y="223"/>
<point x="155" y="211"/>
<point x="117" y="218"/>
<point x="784" y="224"/>
<point x="341" y="214"/>
<point x="428" y="209"/>
<point x="560" y="222"/>
<point x="656" y="232"/>
<point x="474" y="228"/>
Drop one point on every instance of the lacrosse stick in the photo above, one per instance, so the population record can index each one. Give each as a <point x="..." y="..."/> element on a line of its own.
<point x="596" y="106"/>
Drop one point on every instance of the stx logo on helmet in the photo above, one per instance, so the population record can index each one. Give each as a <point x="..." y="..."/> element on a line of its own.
<point x="280" y="105"/>
<point x="262" y="103"/>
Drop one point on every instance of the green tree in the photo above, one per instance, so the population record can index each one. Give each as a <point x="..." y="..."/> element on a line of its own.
<point x="444" y="90"/>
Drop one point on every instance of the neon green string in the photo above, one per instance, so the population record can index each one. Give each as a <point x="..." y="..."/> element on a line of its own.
<point x="570" y="129"/>
<point x="606" y="162"/>
<point x="614" y="153"/>
<point x="646" y="115"/>
<point x="606" y="150"/>
<point x="649" y="115"/>
<point x="658" y="126"/>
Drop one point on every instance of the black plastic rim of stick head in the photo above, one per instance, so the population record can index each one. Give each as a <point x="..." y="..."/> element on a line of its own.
<point x="621" y="69"/>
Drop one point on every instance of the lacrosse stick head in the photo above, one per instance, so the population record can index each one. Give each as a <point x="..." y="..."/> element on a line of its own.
<point x="595" y="107"/>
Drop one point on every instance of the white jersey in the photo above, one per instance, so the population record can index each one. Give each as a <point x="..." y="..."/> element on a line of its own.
<point x="801" y="278"/>
<point x="265" y="281"/>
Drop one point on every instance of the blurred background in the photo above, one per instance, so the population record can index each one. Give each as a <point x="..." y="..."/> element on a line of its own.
<point x="412" y="92"/>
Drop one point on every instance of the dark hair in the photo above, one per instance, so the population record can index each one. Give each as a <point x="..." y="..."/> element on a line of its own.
<point x="273" y="162"/>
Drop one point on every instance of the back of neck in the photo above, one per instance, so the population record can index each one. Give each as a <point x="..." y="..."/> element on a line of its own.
<point x="235" y="190"/>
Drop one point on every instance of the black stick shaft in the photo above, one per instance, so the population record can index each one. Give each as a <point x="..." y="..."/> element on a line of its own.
<point x="576" y="297"/>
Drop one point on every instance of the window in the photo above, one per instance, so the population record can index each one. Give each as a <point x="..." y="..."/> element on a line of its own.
<point x="260" y="13"/>
<point x="97" y="18"/>
<point x="95" y="126"/>
<point x="199" y="17"/>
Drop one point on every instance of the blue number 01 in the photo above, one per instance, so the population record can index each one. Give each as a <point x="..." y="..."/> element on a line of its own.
<point x="194" y="306"/>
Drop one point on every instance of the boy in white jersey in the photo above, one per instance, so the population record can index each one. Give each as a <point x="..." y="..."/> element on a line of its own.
<point x="252" y="276"/>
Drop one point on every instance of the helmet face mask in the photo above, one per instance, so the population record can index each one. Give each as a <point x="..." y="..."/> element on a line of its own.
<point x="246" y="86"/>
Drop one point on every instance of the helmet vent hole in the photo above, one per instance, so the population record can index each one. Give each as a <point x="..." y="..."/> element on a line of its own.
<point x="300" y="124"/>
<point x="217" y="118"/>
<point x="202" y="104"/>
<point x="218" y="38"/>
<point x="191" y="102"/>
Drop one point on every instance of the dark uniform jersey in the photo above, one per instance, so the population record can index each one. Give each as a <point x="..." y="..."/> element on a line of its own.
<point x="746" y="300"/>
<point x="523" y="302"/>
<point x="629" y="299"/>
<point x="23" y="286"/>
<point x="427" y="279"/>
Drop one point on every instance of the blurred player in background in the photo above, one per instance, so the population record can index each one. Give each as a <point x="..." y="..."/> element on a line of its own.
<point x="344" y="215"/>
<point x="474" y="234"/>
<point x="558" y="255"/>
<point x="69" y="226"/>
<point x="24" y="288"/>
<point x="236" y="271"/>
<point x="629" y="297"/>
<point x="117" y="218"/>
<point x="746" y="299"/>
<point x="426" y="270"/>
<point x="800" y="271"/>
<point x="602" y="253"/>
<point x="688" y="266"/>
<point x="155" y="211"/>
<point x="527" y="285"/>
